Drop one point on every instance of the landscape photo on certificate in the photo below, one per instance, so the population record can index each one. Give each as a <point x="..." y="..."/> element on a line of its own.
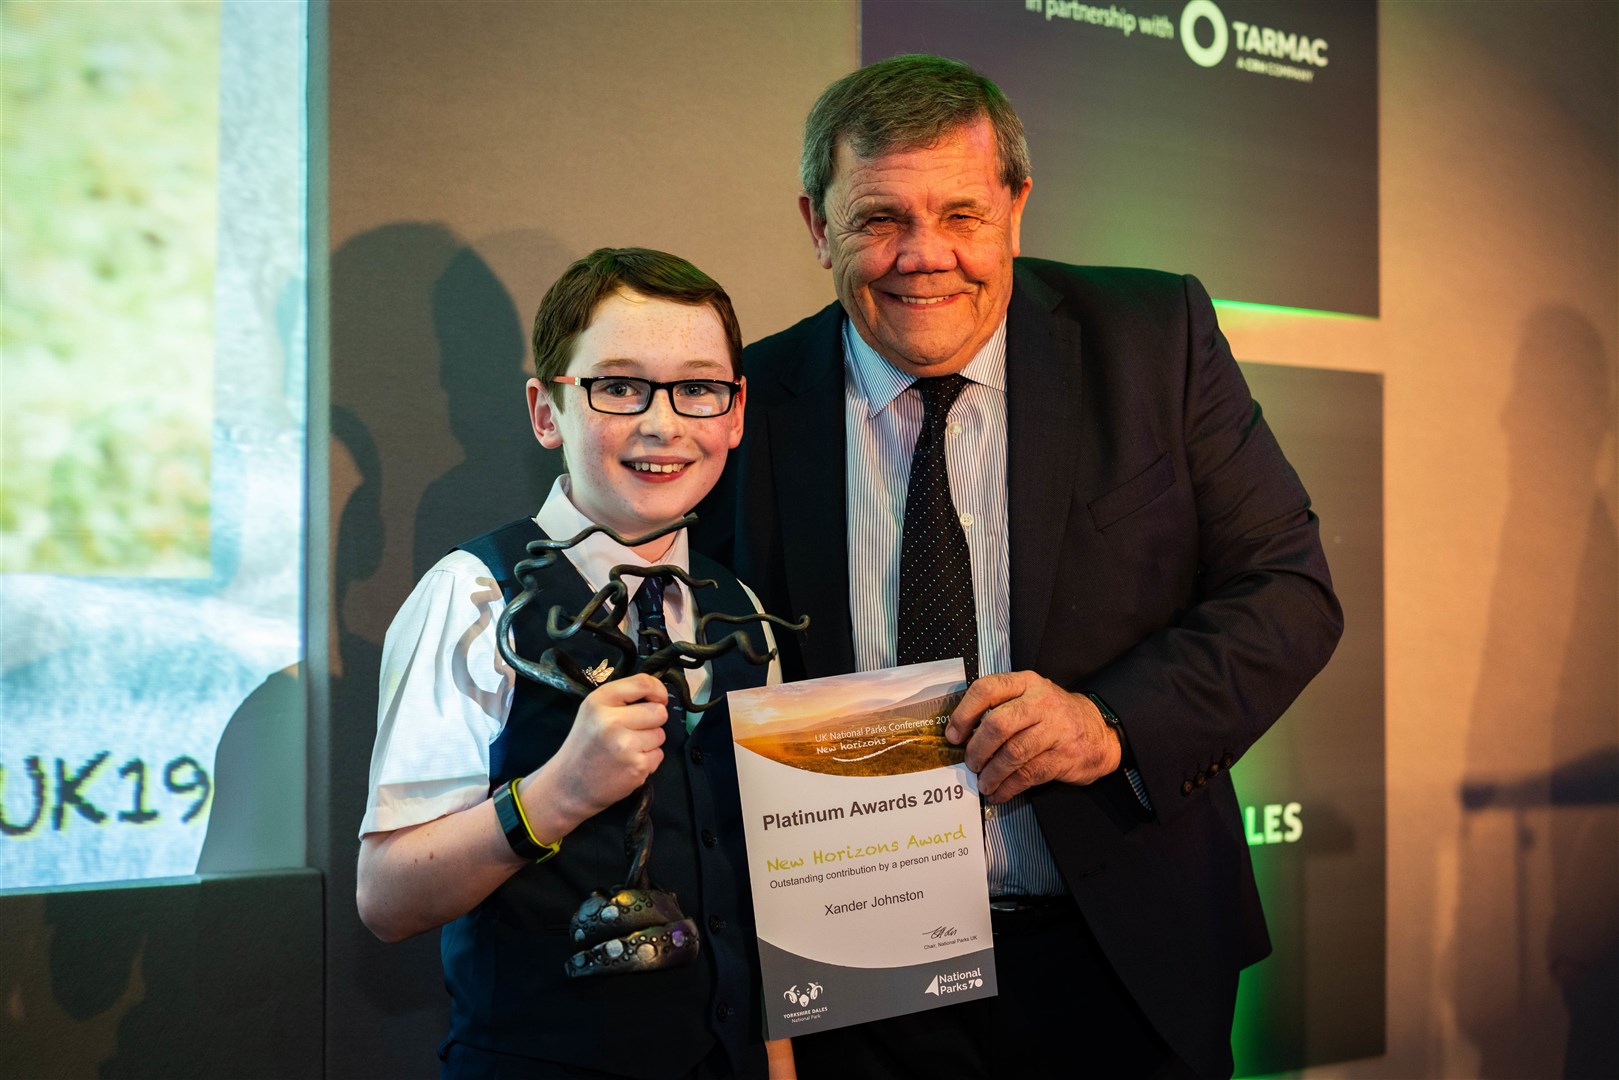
<point x="879" y="723"/>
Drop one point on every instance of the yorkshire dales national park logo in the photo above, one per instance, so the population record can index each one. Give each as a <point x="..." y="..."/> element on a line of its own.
<point x="795" y="996"/>
<point x="1207" y="36"/>
<point x="802" y="1007"/>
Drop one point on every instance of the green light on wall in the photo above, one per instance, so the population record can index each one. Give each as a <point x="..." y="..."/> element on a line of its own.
<point x="1277" y="309"/>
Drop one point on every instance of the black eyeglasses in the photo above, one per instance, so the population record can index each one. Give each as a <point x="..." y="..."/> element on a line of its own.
<point x="625" y="396"/>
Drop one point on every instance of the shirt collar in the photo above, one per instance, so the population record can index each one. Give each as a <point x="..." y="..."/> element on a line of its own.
<point x="879" y="382"/>
<point x="598" y="553"/>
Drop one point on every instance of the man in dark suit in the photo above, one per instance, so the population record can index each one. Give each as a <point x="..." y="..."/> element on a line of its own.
<point x="1147" y="594"/>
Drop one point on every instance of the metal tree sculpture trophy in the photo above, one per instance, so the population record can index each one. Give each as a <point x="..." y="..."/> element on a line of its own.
<point x="633" y="926"/>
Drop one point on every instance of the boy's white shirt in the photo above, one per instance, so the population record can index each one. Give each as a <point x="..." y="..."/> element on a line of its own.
<point x="444" y="689"/>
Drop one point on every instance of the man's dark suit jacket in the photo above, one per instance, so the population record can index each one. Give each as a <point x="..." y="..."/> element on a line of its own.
<point x="1163" y="557"/>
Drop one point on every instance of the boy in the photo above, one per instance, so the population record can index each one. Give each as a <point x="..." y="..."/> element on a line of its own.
<point x="480" y="777"/>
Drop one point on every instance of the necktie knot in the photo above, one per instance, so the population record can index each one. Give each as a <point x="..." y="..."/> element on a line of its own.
<point x="938" y="394"/>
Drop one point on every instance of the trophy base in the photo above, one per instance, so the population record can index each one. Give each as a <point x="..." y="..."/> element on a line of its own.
<point x="628" y="931"/>
<point x="671" y="945"/>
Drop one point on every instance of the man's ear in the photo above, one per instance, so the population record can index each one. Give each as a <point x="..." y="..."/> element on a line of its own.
<point x="817" y="230"/>
<point x="542" y="415"/>
<point x="1020" y="199"/>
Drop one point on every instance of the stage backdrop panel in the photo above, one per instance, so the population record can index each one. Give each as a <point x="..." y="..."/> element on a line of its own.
<point x="1312" y="790"/>
<point x="1234" y="140"/>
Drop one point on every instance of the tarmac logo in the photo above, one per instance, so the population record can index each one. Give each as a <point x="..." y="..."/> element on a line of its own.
<point x="1204" y="55"/>
<point x="1279" y="48"/>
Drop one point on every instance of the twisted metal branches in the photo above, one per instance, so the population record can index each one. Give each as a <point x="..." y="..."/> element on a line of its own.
<point x="605" y="611"/>
<point x="630" y="927"/>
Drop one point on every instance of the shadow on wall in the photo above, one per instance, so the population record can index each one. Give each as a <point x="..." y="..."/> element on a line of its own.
<point x="1536" y="948"/>
<point x="384" y="1004"/>
<point x="427" y="372"/>
<point x="428" y="354"/>
<point x="504" y="474"/>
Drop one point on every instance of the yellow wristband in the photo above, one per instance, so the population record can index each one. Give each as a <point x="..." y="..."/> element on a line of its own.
<point x="519" y="833"/>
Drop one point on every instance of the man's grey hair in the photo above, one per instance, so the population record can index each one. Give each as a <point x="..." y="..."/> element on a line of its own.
<point x="906" y="103"/>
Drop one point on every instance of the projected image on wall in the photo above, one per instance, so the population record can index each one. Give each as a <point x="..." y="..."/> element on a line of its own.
<point x="108" y="160"/>
<point x="152" y="330"/>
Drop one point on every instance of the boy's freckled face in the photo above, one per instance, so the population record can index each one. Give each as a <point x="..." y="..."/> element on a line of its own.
<point x="637" y="473"/>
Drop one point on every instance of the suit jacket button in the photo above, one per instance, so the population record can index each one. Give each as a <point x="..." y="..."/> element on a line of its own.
<point x="696" y="756"/>
<point x="1201" y="779"/>
<point x="723" y="1013"/>
<point x="1214" y="767"/>
<point x="716" y="924"/>
<point x="1228" y="759"/>
<point x="1186" y="787"/>
<point x="708" y="838"/>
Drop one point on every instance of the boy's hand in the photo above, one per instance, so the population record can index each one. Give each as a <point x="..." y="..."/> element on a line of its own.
<point x="421" y="876"/>
<point x="615" y="744"/>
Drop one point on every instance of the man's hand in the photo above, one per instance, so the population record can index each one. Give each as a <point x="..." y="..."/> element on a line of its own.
<point x="1030" y="731"/>
<point x="614" y="745"/>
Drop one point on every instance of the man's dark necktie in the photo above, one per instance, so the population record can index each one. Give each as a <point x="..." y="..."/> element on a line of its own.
<point x="937" y="617"/>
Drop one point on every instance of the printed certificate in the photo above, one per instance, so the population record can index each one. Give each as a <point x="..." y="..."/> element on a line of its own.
<point x="865" y="847"/>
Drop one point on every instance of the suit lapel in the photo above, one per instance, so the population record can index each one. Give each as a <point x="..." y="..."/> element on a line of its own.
<point x="1042" y="386"/>
<point x="807" y="441"/>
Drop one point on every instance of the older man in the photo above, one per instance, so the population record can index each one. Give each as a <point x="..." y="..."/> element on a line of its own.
<point x="1057" y="473"/>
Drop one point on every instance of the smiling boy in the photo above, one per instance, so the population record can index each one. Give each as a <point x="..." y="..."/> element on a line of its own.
<point x="498" y="804"/>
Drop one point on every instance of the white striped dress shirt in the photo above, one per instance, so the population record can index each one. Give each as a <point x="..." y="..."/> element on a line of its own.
<point x="883" y="420"/>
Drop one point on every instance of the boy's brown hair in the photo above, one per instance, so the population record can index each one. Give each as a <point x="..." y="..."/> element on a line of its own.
<point x="571" y="302"/>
